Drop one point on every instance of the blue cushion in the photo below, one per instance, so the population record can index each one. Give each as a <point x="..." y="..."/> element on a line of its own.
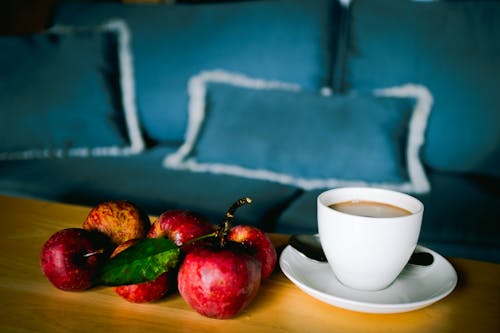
<point x="451" y="47"/>
<point x="284" y="40"/>
<point x="61" y="94"/>
<point x="275" y="131"/>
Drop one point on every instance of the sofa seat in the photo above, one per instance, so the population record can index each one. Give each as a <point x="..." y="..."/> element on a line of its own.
<point x="460" y="217"/>
<point x="141" y="179"/>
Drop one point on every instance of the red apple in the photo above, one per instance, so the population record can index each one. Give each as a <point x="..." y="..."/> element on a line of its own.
<point x="72" y="258"/>
<point x="142" y="292"/>
<point x="180" y="226"/>
<point x="219" y="282"/>
<point x="119" y="220"/>
<point x="260" y="245"/>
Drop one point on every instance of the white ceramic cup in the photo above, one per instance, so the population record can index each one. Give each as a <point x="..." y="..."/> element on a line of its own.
<point x="368" y="253"/>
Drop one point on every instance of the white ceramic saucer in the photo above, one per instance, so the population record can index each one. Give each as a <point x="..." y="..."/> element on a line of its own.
<point x="415" y="288"/>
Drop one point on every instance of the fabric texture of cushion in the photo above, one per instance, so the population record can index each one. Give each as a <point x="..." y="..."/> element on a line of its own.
<point x="278" y="40"/>
<point x="452" y="48"/>
<point x="272" y="130"/>
<point x="68" y="92"/>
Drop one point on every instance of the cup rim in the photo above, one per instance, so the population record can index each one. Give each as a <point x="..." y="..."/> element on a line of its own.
<point x="372" y="190"/>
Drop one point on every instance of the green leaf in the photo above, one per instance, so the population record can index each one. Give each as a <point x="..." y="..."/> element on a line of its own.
<point x="144" y="261"/>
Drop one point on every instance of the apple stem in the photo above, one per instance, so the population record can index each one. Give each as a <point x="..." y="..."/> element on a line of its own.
<point x="225" y="226"/>
<point x="222" y="229"/>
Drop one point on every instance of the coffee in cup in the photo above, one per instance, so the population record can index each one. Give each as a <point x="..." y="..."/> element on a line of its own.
<point x="369" y="208"/>
<point x="368" y="234"/>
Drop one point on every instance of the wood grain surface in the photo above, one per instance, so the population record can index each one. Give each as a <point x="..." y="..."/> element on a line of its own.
<point x="29" y="303"/>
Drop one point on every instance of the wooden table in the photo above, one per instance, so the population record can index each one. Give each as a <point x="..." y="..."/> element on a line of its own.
<point x="29" y="303"/>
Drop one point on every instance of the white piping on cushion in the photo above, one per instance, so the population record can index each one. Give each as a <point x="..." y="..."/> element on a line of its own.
<point x="197" y="92"/>
<point x="127" y="85"/>
<point x="418" y="125"/>
<point x="304" y="183"/>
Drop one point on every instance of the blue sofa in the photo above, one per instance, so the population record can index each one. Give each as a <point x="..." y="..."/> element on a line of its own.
<point x="195" y="105"/>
